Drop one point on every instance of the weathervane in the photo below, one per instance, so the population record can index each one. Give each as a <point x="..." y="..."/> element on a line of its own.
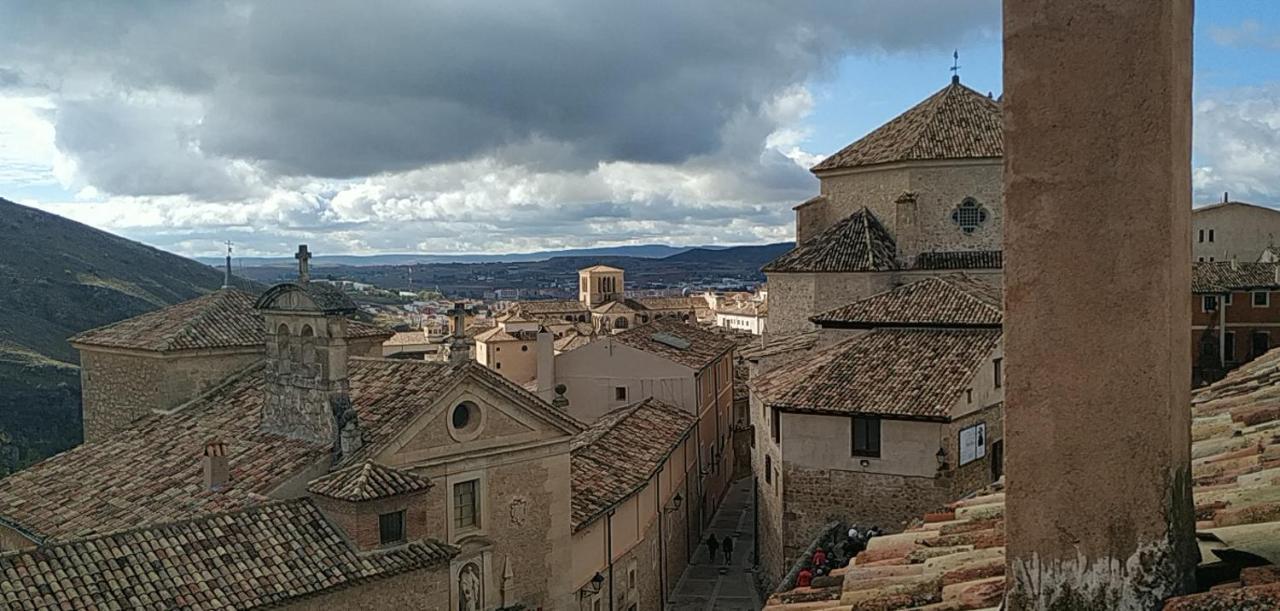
<point x="955" y="66"/>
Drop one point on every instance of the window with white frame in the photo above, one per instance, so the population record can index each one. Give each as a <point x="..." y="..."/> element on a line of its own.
<point x="1261" y="299"/>
<point x="1209" y="303"/>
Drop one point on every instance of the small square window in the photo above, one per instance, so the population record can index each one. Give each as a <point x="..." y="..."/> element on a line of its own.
<point x="866" y="436"/>
<point x="1261" y="299"/>
<point x="1226" y="299"/>
<point x="1209" y="303"/>
<point x="391" y="527"/>
<point x="619" y="393"/>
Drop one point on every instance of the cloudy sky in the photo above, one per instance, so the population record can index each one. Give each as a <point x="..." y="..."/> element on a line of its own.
<point x="469" y="126"/>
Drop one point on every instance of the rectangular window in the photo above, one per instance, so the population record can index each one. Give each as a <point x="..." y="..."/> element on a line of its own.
<point x="466" y="505"/>
<point x="619" y="393"/>
<point x="1209" y="303"/>
<point x="997" y="374"/>
<point x="1202" y="236"/>
<point x="768" y="469"/>
<point x="866" y="436"/>
<point x="391" y="527"/>
<point x="1226" y="299"/>
<point x="1229" y="346"/>
<point x="1261" y="299"/>
<point x="1210" y="235"/>
<point x="776" y="426"/>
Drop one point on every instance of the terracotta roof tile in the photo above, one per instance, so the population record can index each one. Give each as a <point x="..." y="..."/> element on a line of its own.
<point x="954" y="123"/>
<point x="954" y="300"/>
<point x="367" y="481"/>
<point x="1235" y="462"/>
<point x="889" y="372"/>
<point x="152" y="473"/>
<point x="960" y="259"/>
<point x="1226" y="276"/>
<point x="276" y="553"/>
<point x="222" y="319"/>
<point x="859" y="243"/>
<point x="615" y="457"/>
<point x="551" y="307"/>
<point x="703" y="349"/>
<point x="774" y="345"/>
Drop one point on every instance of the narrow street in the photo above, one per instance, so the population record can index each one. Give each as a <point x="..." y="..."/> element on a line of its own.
<point x="703" y="587"/>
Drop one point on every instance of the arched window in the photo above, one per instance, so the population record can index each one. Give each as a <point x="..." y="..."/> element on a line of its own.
<point x="282" y="341"/>
<point x="621" y="323"/>
<point x="308" y="346"/>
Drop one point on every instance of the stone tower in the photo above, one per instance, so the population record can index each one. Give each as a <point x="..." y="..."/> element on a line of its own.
<point x="459" y="347"/>
<point x="307" y="391"/>
<point x="599" y="284"/>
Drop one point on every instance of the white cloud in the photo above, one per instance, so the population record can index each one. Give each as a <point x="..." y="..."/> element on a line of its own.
<point x="1237" y="142"/>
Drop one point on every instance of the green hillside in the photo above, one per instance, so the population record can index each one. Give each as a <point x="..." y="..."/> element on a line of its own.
<point x="57" y="278"/>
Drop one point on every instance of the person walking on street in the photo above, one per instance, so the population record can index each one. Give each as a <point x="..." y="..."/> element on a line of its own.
<point x="712" y="545"/>
<point x="727" y="546"/>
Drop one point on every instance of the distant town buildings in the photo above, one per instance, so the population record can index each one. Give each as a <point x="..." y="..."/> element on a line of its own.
<point x="1233" y="230"/>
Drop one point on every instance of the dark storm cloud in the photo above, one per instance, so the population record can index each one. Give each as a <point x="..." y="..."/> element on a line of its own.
<point x="345" y="89"/>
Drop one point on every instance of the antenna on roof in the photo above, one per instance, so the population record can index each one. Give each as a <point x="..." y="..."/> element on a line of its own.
<point x="955" y="67"/>
<point x="226" y="274"/>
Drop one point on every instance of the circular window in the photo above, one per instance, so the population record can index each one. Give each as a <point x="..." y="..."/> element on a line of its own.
<point x="969" y="215"/>
<point x="464" y="421"/>
<point x="524" y="348"/>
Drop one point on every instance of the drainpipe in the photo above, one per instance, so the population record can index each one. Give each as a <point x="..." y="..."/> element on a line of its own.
<point x="662" y="541"/>
<point x="609" y="544"/>
<point x="1222" y="331"/>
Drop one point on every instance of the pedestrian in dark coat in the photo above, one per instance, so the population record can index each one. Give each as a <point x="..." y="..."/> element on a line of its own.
<point x="727" y="546"/>
<point x="713" y="544"/>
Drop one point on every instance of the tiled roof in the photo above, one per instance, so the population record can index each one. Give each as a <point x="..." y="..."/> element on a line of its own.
<point x="573" y="340"/>
<point x="858" y="243"/>
<point x="954" y="300"/>
<point x="671" y="303"/>
<point x="954" y="123"/>
<point x="222" y="319"/>
<point x="281" y="552"/>
<point x="910" y="373"/>
<point x="617" y="455"/>
<point x="499" y="334"/>
<point x="704" y="346"/>
<point x="366" y="481"/>
<point x="955" y="558"/>
<point x="1218" y="205"/>
<point x="151" y="472"/>
<point x="552" y="307"/>
<point x="405" y="338"/>
<point x="599" y="268"/>
<point x="774" y="345"/>
<point x="960" y="259"/>
<point x="1226" y="276"/>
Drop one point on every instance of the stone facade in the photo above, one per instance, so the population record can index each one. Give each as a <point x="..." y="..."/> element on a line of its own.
<point x="307" y="390"/>
<point x="119" y="386"/>
<point x="412" y="591"/>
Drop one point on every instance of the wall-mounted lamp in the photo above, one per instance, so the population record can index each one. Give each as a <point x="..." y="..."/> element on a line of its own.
<point x="593" y="586"/>
<point x="864" y="463"/>
<point x="942" y="458"/>
<point x="675" y="503"/>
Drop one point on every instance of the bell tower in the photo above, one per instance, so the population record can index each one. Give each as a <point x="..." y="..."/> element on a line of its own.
<point x="307" y="391"/>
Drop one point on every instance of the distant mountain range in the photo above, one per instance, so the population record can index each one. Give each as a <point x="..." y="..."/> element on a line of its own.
<point x="57" y="278"/>
<point x="647" y="251"/>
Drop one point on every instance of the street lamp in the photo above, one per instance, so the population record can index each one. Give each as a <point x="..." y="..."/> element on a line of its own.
<point x="675" y="503"/>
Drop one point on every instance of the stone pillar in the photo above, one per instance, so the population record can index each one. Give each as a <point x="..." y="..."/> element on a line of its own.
<point x="1097" y="112"/>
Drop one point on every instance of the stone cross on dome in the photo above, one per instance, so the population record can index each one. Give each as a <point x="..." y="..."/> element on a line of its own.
<point x="303" y="257"/>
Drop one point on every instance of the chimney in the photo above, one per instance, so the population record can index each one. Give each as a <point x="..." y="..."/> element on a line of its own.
<point x="215" y="466"/>
<point x="546" y="371"/>
<point x="1235" y="263"/>
<point x="460" y="345"/>
<point x="1226" y="197"/>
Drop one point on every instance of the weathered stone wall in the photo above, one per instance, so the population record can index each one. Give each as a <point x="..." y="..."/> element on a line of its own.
<point x="977" y="474"/>
<point x="926" y="225"/>
<point x="768" y="498"/>
<point x="119" y="387"/>
<point x="847" y="192"/>
<point x="793" y="297"/>
<point x="426" y="588"/>
<point x="817" y="496"/>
